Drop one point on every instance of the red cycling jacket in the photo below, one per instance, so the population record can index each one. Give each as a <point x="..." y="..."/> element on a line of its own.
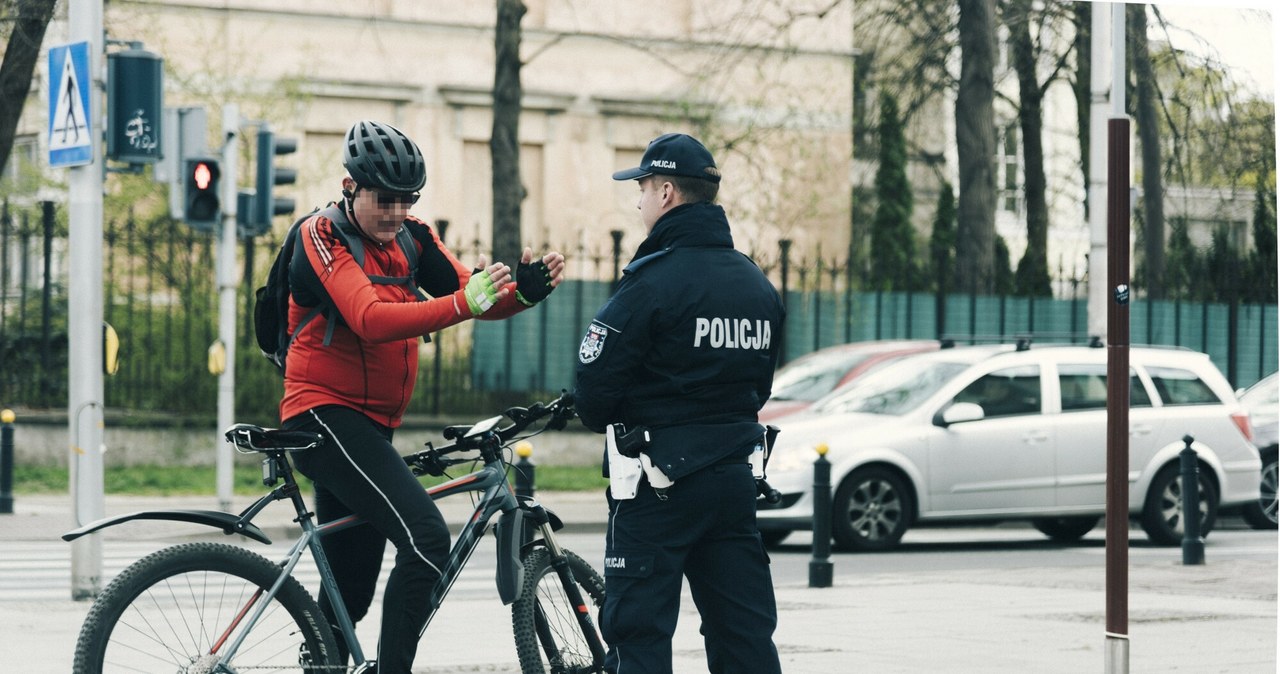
<point x="371" y="362"/>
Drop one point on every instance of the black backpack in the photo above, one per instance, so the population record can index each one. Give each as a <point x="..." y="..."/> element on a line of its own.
<point x="271" y="301"/>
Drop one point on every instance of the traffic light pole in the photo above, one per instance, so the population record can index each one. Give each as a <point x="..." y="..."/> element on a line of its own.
<point x="84" y="319"/>
<point x="226" y="274"/>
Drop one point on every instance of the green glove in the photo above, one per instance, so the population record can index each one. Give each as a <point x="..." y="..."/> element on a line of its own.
<point x="480" y="293"/>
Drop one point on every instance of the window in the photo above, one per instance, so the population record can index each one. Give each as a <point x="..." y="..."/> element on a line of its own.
<point x="1084" y="387"/>
<point x="1181" y="387"/>
<point x="21" y="171"/>
<point x="1007" y="165"/>
<point x="1007" y="392"/>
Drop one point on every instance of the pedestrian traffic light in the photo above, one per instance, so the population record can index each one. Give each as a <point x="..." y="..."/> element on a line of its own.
<point x="266" y="203"/>
<point x="202" y="206"/>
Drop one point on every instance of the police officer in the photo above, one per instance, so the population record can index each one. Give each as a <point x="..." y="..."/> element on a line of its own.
<point x="681" y="359"/>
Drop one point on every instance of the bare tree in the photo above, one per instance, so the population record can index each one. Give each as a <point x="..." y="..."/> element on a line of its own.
<point x="1147" y="120"/>
<point x="975" y="146"/>
<point x="504" y="143"/>
<point x="29" y="20"/>
<point x="1028" y="53"/>
<point x="1082" y="17"/>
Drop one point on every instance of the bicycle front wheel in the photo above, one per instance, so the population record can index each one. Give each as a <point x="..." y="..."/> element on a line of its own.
<point x="180" y="609"/>
<point x="550" y="638"/>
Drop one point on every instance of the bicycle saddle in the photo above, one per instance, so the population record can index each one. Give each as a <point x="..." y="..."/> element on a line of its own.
<point x="259" y="439"/>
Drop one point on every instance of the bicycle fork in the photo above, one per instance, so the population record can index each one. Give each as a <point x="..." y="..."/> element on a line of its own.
<point x="573" y="593"/>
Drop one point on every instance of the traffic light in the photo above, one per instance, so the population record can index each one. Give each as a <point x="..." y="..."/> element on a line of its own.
<point x="202" y="206"/>
<point x="266" y="204"/>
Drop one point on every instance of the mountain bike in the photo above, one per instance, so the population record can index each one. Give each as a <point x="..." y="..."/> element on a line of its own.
<point x="213" y="608"/>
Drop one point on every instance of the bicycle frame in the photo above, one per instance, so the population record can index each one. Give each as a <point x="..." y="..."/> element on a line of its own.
<point x="516" y="520"/>
<point x="491" y="479"/>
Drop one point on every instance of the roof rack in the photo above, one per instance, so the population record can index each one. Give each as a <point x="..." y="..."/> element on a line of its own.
<point x="1022" y="340"/>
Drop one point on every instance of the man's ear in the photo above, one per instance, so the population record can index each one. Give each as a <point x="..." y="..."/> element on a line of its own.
<point x="348" y="187"/>
<point x="670" y="195"/>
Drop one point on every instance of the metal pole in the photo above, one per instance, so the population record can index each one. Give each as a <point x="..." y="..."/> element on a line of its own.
<point x="1192" y="541"/>
<point x="1117" y="486"/>
<point x="84" y="318"/>
<point x="525" y="470"/>
<point x="6" y="462"/>
<point x="820" y="567"/>
<point x="226" y="273"/>
<point x="616" y="234"/>
<point x="1099" y="90"/>
<point x="784" y="263"/>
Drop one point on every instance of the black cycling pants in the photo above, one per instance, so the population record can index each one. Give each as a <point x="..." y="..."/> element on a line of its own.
<point x="358" y="471"/>
<point x="706" y="532"/>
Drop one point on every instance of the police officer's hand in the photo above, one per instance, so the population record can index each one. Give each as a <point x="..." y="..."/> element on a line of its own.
<point x="486" y="288"/>
<point x="536" y="280"/>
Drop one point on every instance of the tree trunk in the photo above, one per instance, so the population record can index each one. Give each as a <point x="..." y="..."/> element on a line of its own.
<point x="1083" y="18"/>
<point x="976" y="146"/>
<point x="19" y="63"/>
<point x="1147" y="120"/>
<point x="504" y="144"/>
<point x="1033" y="269"/>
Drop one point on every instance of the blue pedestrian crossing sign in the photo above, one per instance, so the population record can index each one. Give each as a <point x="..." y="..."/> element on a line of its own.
<point x="70" y="140"/>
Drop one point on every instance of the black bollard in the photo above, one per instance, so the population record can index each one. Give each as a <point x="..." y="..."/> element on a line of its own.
<point x="820" y="566"/>
<point x="1192" y="541"/>
<point x="525" y="471"/>
<point x="6" y="462"/>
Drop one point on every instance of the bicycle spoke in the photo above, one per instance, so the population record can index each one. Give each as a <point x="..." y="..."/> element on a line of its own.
<point x="172" y="610"/>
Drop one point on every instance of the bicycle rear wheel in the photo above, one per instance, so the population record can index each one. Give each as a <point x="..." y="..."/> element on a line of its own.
<point x="179" y="610"/>
<point x="549" y="637"/>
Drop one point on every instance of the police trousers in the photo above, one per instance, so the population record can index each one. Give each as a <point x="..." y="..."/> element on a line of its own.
<point x="357" y="470"/>
<point x="704" y="531"/>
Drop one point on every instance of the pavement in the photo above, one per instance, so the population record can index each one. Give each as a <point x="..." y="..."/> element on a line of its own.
<point x="1218" y="617"/>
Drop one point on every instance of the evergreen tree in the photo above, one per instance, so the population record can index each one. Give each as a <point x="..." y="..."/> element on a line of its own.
<point x="1260" y="286"/>
<point x="1003" y="281"/>
<point x="942" y="243"/>
<point x="1222" y="268"/>
<point x="1182" y="263"/>
<point x="892" y="238"/>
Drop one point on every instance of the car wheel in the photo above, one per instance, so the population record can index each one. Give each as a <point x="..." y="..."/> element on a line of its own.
<point x="1162" y="512"/>
<point x="1262" y="513"/>
<point x="1065" y="529"/>
<point x="772" y="538"/>
<point x="871" y="510"/>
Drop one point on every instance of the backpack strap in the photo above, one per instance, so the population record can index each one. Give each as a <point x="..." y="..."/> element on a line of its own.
<point x="355" y="245"/>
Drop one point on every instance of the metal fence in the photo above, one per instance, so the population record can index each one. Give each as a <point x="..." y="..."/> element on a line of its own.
<point x="161" y="298"/>
<point x="536" y="350"/>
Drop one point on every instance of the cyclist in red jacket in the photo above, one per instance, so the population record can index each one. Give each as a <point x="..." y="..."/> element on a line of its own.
<point x="351" y="369"/>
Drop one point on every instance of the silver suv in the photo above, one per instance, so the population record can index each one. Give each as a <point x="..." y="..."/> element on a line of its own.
<point x="1003" y="432"/>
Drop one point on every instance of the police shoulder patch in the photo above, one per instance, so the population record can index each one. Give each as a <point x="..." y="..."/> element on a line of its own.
<point x="592" y="343"/>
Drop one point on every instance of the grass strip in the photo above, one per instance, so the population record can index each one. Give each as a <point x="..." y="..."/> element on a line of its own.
<point x="152" y="480"/>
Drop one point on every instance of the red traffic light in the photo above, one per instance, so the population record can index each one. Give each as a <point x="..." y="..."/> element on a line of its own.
<point x="202" y="208"/>
<point x="202" y="176"/>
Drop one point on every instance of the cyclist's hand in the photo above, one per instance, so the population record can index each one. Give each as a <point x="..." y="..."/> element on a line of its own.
<point x="536" y="280"/>
<point x="486" y="287"/>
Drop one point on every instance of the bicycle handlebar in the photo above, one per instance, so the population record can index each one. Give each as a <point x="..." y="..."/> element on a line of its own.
<point x="433" y="460"/>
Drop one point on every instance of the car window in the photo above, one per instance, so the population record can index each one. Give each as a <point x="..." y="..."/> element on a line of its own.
<point x="1084" y="387"/>
<point x="811" y="378"/>
<point x="1264" y="392"/>
<point x="1181" y="387"/>
<point x="1006" y="392"/>
<point x="894" y="389"/>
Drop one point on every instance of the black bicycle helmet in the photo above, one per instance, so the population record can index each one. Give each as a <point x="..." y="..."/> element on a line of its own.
<point x="380" y="156"/>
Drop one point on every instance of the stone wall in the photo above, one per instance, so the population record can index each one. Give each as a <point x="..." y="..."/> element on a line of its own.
<point x="45" y="442"/>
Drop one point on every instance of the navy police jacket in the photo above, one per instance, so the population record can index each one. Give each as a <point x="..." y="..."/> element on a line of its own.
<point x="686" y="345"/>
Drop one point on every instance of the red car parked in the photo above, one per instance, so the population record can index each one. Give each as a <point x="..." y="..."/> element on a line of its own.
<point x="802" y="381"/>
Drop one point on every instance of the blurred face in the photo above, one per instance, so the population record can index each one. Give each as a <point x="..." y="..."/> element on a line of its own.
<point x="380" y="214"/>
